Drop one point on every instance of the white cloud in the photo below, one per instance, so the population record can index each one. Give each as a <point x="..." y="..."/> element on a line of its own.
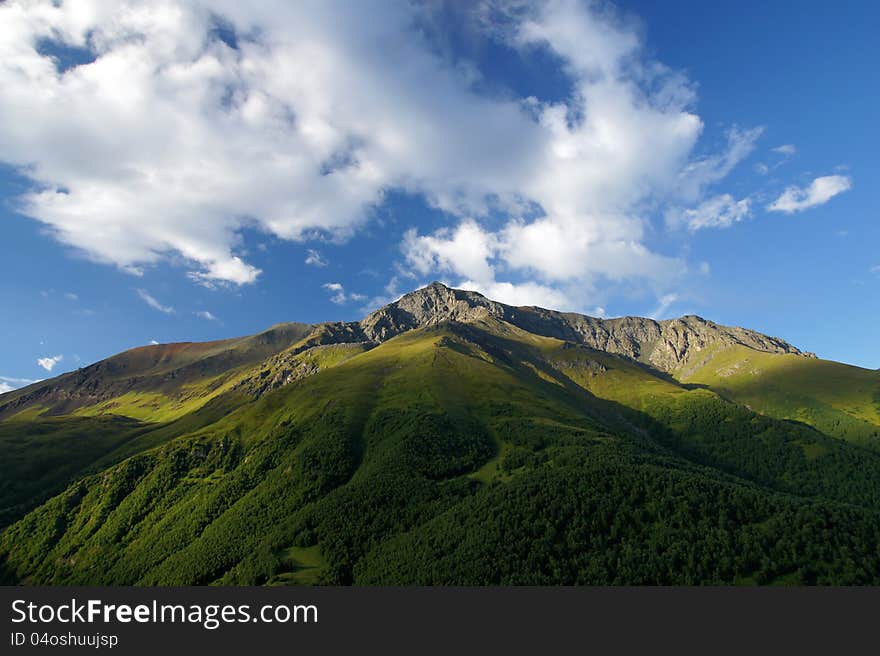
<point x="18" y="381"/>
<point x="527" y="293"/>
<point x="150" y="300"/>
<point x="314" y="258"/>
<point x="207" y="316"/>
<point x="786" y="150"/>
<point x="48" y="363"/>
<point x="875" y="269"/>
<point x="623" y="144"/>
<point x="171" y="142"/>
<point x="720" y="211"/>
<point x="9" y="383"/>
<point x="339" y="295"/>
<point x="464" y="250"/>
<point x="153" y="342"/>
<point x="70" y="296"/>
<point x="391" y="293"/>
<point x="710" y="169"/>
<point x="663" y="306"/>
<point x="820" y="191"/>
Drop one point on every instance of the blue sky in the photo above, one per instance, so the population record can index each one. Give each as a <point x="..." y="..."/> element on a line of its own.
<point x="204" y="170"/>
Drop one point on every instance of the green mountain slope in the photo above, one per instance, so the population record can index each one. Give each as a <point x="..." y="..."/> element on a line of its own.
<point x="837" y="399"/>
<point x="151" y="383"/>
<point x="42" y="460"/>
<point x="447" y="439"/>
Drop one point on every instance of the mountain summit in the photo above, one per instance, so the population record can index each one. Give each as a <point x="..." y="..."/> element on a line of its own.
<point x="447" y="439"/>
<point x="428" y="306"/>
<point x="675" y="346"/>
<point x="667" y="345"/>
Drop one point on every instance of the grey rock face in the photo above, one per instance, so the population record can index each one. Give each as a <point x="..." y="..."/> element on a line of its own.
<point x="426" y="307"/>
<point x="667" y="345"/>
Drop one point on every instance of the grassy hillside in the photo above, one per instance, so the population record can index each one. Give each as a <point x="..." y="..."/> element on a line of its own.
<point x="44" y="453"/>
<point x="838" y="399"/>
<point x="470" y="454"/>
<point x="156" y="383"/>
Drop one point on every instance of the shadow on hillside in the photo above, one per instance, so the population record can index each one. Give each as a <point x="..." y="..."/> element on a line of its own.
<point x="7" y="575"/>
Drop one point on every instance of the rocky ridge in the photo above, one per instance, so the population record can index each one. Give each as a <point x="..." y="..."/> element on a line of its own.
<point x="667" y="345"/>
<point x="278" y="355"/>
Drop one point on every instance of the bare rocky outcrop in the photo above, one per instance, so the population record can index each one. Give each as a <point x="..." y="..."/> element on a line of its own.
<point x="666" y="345"/>
<point x="428" y="306"/>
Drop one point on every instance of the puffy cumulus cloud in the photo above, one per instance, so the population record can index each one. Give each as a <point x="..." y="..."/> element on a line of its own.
<point x="464" y="250"/>
<point x="48" y="363"/>
<point x="525" y="293"/>
<point x="291" y="119"/>
<point x="819" y="192"/>
<point x="720" y="211"/>
<point x="164" y="129"/>
<point x="619" y="147"/>
<point x="5" y="387"/>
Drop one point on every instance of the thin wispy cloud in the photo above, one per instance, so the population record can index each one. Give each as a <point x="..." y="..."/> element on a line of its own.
<point x="663" y="307"/>
<point x="9" y="383"/>
<point x="720" y="211"/>
<point x="785" y="149"/>
<point x="819" y="192"/>
<point x="314" y="258"/>
<point x="150" y="300"/>
<point x="206" y="315"/>
<point x="339" y="295"/>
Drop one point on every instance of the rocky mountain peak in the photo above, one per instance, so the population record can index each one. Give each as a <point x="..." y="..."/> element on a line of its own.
<point x="428" y="306"/>
<point x="667" y="345"/>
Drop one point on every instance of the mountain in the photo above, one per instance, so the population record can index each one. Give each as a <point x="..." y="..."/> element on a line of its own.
<point x="448" y="439"/>
<point x="162" y="381"/>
